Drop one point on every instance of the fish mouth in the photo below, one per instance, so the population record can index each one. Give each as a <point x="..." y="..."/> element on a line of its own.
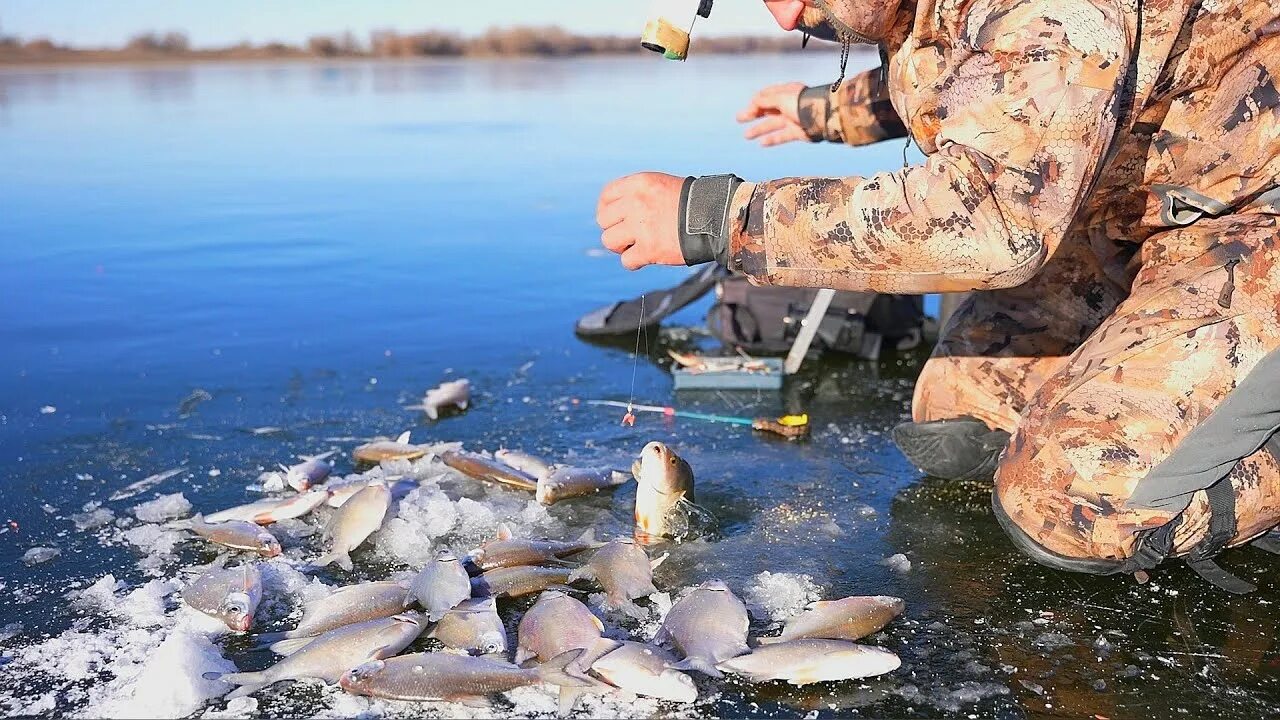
<point x="242" y="623"/>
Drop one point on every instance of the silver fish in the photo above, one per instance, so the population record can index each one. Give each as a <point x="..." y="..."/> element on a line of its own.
<point x="333" y="653"/>
<point x="374" y="452"/>
<point x="530" y="465"/>
<point x="508" y="551"/>
<point x="144" y="484"/>
<point x="625" y="572"/>
<point x="236" y="534"/>
<point x="474" y="626"/>
<point x="566" y="482"/>
<point x="270" y="510"/>
<point x="456" y="393"/>
<point x="228" y="594"/>
<point x="645" y="670"/>
<point x="484" y="468"/>
<point x="440" y="586"/>
<point x="805" y="661"/>
<point x="517" y="581"/>
<point x="664" y="494"/>
<point x="709" y="625"/>
<point x="354" y="522"/>
<point x="851" y="618"/>
<point x="556" y="624"/>
<point x="345" y="606"/>
<point x="452" y="678"/>
<point x="313" y="469"/>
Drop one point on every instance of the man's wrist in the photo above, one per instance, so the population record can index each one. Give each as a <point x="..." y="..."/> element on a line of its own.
<point x="704" y="217"/>
<point x="813" y="108"/>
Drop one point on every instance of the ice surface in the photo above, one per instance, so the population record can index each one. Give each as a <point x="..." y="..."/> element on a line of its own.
<point x="93" y="517"/>
<point x="169" y="682"/>
<point x="777" y="596"/>
<point x="165" y="507"/>
<point x="37" y="555"/>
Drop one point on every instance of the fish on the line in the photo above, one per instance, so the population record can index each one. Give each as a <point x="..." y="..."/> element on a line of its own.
<point x="353" y="523"/>
<point x="454" y="393"/>
<point x="808" y="660"/>
<point x="665" y="505"/>
<point x="235" y="534"/>
<point x="227" y="594"/>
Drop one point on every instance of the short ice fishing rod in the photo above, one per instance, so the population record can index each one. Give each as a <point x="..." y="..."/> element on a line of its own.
<point x="789" y="426"/>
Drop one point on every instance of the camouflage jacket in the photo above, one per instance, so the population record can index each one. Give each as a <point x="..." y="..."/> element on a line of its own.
<point x="1042" y="122"/>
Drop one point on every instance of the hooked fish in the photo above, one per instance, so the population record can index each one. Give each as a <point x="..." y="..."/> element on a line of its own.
<point x="455" y="393"/>
<point x="483" y="468"/>
<point x="440" y="586"/>
<point x="566" y="482"/>
<point x="516" y="581"/>
<point x="709" y="625"/>
<point x="664" y="494"/>
<point x="345" y="606"/>
<point x="625" y="572"/>
<point x="228" y="594"/>
<point x="354" y="522"/>
<point x="473" y="626"/>
<point x="851" y="618"/>
<point x="235" y="534"/>
<point x="313" y="469"/>
<point x="508" y="551"/>
<point x="557" y="624"/>
<point x="808" y="660"/>
<point x="332" y="654"/>
<point x="645" y="670"/>
<point x="270" y="510"/>
<point x="530" y="465"/>
<point x="372" y="453"/>
<point x="453" y="678"/>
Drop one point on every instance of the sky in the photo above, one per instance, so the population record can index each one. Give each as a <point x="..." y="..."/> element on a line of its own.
<point x="225" y="22"/>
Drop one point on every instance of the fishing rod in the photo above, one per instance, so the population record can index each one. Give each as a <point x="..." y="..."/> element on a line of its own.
<point x="787" y="425"/>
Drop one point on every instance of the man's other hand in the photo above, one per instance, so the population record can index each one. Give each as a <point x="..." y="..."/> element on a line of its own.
<point x="640" y="217"/>
<point x="776" y="107"/>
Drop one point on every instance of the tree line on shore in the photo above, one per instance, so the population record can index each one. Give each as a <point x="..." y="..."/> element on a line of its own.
<point x="496" y="42"/>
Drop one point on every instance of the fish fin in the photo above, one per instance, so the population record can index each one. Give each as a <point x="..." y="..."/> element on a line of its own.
<point x="291" y="646"/>
<point x="265" y="640"/>
<point x="568" y="671"/>
<point x="504" y="532"/>
<point x="770" y="640"/>
<point x="568" y="698"/>
<point x="697" y="664"/>
<point x="582" y="573"/>
<point x="631" y="610"/>
<point x="343" y="560"/>
<point x="404" y="437"/>
<point x="463" y="404"/>
<point x="321" y="456"/>
<point x="654" y="563"/>
<point x="562" y="588"/>
<point x="588" y="537"/>
<point x="472" y="701"/>
<point x="250" y="682"/>
<point x="662" y="636"/>
<point x="599" y="624"/>
<point x="432" y="411"/>
<point x="522" y="654"/>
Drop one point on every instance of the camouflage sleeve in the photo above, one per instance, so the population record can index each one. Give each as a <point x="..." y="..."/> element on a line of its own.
<point x="857" y="113"/>
<point x="1015" y="132"/>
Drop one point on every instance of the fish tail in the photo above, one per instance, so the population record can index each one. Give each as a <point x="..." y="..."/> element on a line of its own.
<point x="557" y="671"/>
<point x="267" y="639"/>
<point x="432" y="411"/>
<point x="290" y="646"/>
<point x="582" y="573"/>
<point x="249" y="682"/>
<point x="342" y="559"/>
<point x="588" y="537"/>
<point x="701" y="665"/>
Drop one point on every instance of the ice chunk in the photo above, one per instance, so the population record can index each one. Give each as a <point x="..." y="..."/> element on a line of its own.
<point x="10" y="631"/>
<point x="897" y="563"/>
<point x="92" y="518"/>
<point x="153" y="539"/>
<point x="241" y="707"/>
<point x="165" y="507"/>
<point x="425" y="515"/>
<point x="777" y="596"/>
<point x="170" y="682"/>
<point x="37" y="555"/>
<point x="101" y="594"/>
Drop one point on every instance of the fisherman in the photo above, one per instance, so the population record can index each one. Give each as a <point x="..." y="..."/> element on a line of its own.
<point x="1103" y="176"/>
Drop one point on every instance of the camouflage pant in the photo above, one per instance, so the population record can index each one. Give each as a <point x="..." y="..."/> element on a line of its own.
<point x="1099" y="382"/>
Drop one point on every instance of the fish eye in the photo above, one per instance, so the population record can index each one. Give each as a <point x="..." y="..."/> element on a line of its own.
<point x="490" y="648"/>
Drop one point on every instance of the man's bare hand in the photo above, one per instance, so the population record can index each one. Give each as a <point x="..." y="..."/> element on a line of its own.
<point x="640" y="217"/>
<point x="776" y="108"/>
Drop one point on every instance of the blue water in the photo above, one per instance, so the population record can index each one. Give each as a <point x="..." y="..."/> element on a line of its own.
<point x="316" y="244"/>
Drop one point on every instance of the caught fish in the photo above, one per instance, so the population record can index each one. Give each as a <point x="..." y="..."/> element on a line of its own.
<point x="508" y="551"/>
<point x="440" y="586"/>
<point x="312" y="470"/>
<point x="332" y="654"/>
<point x="455" y="393"/>
<point x="353" y="523"/>
<point x="473" y="626"/>
<point x="189" y="403"/>
<point x="557" y="624"/>
<point x="566" y="482"/>
<point x="805" y="661"/>
<point x="372" y="453"/>
<point x="852" y="618"/>
<point x="483" y="468"/>
<point x="709" y="626"/>
<point x="645" y="670"/>
<point x="530" y="465"/>
<point x="664" y="495"/>
<point x="625" y="572"/>
<point x="452" y="678"/>
<point x="345" y="606"/>
<point x="228" y="594"/>
<point x="144" y="484"/>
<point x="235" y="534"/>
<point x="270" y="510"/>
<point x="516" y="581"/>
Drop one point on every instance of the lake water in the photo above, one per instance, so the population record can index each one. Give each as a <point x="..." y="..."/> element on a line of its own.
<point x="314" y="245"/>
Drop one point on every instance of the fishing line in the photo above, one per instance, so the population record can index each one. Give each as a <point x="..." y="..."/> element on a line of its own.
<point x="629" y="418"/>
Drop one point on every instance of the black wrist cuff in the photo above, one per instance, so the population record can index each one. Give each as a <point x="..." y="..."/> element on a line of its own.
<point x="814" y="108"/>
<point x="704" y="217"/>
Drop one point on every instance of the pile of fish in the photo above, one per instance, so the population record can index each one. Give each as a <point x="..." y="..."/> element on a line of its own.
<point x="354" y="636"/>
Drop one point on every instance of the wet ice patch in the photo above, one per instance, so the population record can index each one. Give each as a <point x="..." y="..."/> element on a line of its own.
<point x="163" y="508"/>
<point x="38" y="555"/>
<point x="897" y="563"/>
<point x="777" y="596"/>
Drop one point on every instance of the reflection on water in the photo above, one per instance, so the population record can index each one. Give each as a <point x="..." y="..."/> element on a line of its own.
<point x="316" y="244"/>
